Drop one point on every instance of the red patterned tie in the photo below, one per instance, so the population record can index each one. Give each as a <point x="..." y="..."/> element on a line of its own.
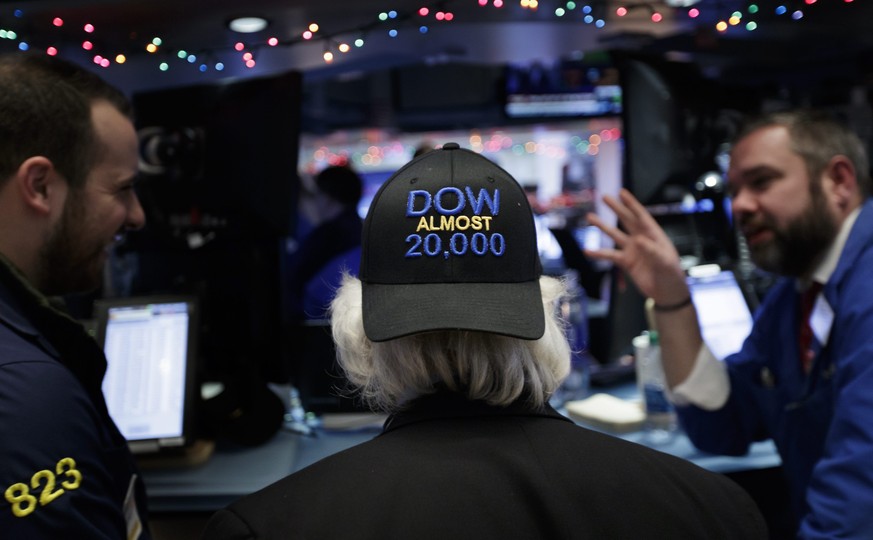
<point x="804" y="339"/>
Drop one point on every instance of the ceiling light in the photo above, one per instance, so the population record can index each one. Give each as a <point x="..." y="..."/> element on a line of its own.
<point x="247" y="25"/>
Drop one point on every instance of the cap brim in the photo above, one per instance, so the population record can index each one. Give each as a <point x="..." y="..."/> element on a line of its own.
<point x="510" y="309"/>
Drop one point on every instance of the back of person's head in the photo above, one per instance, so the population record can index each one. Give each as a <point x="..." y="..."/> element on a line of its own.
<point x="817" y="138"/>
<point x="451" y="292"/>
<point x="340" y="183"/>
<point x="45" y="110"/>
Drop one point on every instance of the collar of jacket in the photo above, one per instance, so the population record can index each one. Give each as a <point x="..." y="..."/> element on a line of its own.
<point x="44" y="322"/>
<point x="444" y="404"/>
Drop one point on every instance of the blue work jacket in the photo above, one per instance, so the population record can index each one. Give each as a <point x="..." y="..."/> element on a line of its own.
<point x="821" y="423"/>
<point x="65" y="469"/>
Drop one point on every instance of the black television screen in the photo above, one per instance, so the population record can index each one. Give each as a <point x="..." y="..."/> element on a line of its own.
<point x="668" y="117"/>
<point x="219" y="167"/>
<point x="222" y="156"/>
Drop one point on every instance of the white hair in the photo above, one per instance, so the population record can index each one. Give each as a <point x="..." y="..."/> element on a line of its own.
<point x="483" y="366"/>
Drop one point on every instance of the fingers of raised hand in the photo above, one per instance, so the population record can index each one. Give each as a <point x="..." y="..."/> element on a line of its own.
<point x="618" y="236"/>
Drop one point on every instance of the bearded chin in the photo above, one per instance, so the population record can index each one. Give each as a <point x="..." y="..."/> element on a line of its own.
<point x="64" y="272"/>
<point x="68" y="264"/>
<point x="796" y="250"/>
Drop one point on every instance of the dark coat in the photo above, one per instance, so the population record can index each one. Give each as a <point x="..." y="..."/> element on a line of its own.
<point x="65" y="469"/>
<point x="448" y="468"/>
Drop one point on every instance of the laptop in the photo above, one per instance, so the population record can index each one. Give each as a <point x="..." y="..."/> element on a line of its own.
<point x="724" y="310"/>
<point x="151" y="350"/>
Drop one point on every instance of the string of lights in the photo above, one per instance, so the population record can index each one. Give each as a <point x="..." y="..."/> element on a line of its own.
<point x="16" y="28"/>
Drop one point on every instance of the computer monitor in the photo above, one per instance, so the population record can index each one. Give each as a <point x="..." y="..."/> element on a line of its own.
<point x="151" y="350"/>
<point x="723" y="309"/>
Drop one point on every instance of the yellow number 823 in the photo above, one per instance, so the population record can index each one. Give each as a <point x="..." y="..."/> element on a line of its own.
<point x="23" y="503"/>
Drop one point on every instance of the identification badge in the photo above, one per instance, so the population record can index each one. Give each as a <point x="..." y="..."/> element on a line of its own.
<point x="131" y="514"/>
<point x="821" y="320"/>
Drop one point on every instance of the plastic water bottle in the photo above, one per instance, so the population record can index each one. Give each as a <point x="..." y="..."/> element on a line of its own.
<point x="660" y="422"/>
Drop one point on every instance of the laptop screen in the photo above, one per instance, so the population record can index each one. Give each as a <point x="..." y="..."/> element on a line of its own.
<point x="722" y="310"/>
<point x="149" y="384"/>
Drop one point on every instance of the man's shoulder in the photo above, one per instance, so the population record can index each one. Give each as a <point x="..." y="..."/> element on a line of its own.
<point x="15" y="347"/>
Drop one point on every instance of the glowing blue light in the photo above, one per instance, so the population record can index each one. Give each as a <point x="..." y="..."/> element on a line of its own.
<point x="219" y="66"/>
<point x="781" y="10"/>
<point x="600" y="23"/>
<point x="392" y="14"/>
<point x="797" y="15"/>
<point x="422" y="29"/>
<point x="19" y="13"/>
<point x="23" y="46"/>
<point x="191" y="58"/>
<point x="586" y="9"/>
<point x="203" y="68"/>
<point x="588" y="19"/>
<point x="392" y="32"/>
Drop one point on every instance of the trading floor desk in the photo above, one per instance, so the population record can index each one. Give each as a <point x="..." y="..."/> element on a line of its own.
<point x="231" y="473"/>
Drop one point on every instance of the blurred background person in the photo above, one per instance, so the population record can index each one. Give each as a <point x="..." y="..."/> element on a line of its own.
<point x="329" y="203"/>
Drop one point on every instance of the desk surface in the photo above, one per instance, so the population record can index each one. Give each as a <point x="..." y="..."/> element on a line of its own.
<point x="233" y="472"/>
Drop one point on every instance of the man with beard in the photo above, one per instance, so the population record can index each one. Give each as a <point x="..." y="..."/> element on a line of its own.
<point x="68" y="161"/>
<point x="799" y="184"/>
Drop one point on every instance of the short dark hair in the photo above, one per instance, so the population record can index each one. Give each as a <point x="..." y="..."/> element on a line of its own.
<point x="45" y="110"/>
<point x="341" y="183"/>
<point x="817" y="137"/>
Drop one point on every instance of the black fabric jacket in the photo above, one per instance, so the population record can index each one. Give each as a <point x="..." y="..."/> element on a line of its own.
<point x="449" y="468"/>
<point x="65" y="469"/>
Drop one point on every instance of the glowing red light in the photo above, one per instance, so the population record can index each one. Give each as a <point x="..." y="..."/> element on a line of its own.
<point x="87" y="45"/>
<point x="656" y="17"/>
<point x="449" y="15"/>
<point x="693" y="13"/>
<point x="58" y="21"/>
<point x="621" y="12"/>
<point x="424" y="11"/>
<point x="483" y="2"/>
<point x="98" y="59"/>
<point x="272" y="42"/>
<point x="89" y="28"/>
<point x="498" y="3"/>
<point x="307" y="35"/>
<point x="810" y="2"/>
<point x="239" y="46"/>
<point x="104" y="62"/>
<point x="440" y="15"/>
<point x="51" y="51"/>
<point x="250" y="63"/>
<point x="247" y="56"/>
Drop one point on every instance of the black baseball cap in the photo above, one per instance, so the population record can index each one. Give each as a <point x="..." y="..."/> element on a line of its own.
<point x="449" y="243"/>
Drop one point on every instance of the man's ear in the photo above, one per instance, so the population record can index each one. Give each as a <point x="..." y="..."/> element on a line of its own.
<point x="39" y="184"/>
<point x="843" y="182"/>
